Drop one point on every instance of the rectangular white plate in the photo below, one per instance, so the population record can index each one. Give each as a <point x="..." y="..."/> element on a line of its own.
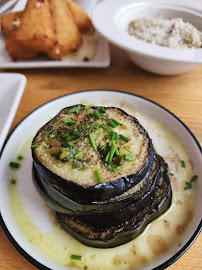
<point x="101" y="59"/>
<point x="12" y="87"/>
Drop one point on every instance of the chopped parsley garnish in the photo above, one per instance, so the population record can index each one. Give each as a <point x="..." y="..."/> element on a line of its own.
<point x="103" y="110"/>
<point x="20" y="157"/>
<point x="112" y="124"/>
<point x="14" y="165"/>
<point x="78" y="154"/>
<point x="13" y="181"/>
<point x="189" y="184"/>
<point x="128" y="157"/>
<point x="76" y="257"/>
<point x="182" y="163"/>
<point x="87" y="107"/>
<point x="97" y="114"/>
<point x="34" y="145"/>
<point x="119" y="230"/>
<point x="112" y="167"/>
<point x="92" y="142"/>
<point x="124" y="138"/>
<point x="76" y="109"/>
<point x="99" y="178"/>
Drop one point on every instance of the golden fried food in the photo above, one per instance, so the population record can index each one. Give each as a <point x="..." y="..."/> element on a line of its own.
<point x="81" y="18"/>
<point x="17" y="51"/>
<point x="36" y="30"/>
<point x="10" y="22"/>
<point x="67" y="34"/>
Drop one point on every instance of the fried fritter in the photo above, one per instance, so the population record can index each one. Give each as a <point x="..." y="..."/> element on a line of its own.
<point x="36" y="30"/>
<point x="67" y="34"/>
<point x="10" y="22"/>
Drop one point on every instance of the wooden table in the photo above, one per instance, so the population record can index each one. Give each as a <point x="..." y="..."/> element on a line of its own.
<point x="181" y="94"/>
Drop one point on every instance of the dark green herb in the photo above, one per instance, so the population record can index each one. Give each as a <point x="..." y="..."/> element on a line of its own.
<point x="112" y="124"/>
<point x="66" y="121"/>
<point x="20" y="157"/>
<point x="76" y="257"/>
<point x="99" y="178"/>
<point x="112" y="151"/>
<point x="114" y="136"/>
<point x="119" y="230"/>
<point x="71" y="123"/>
<point x="92" y="142"/>
<point x="103" y="110"/>
<point x="97" y="125"/>
<point x="128" y="157"/>
<point x="105" y="127"/>
<point x="78" y="154"/>
<point x="97" y="114"/>
<point x="112" y="167"/>
<point x="106" y="136"/>
<point x="64" y="136"/>
<point x="13" y="181"/>
<point x="194" y="178"/>
<point x="14" y="165"/>
<point x="170" y="174"/>
<point x="144" y="133"/>
<point x="182" y="163"/>
<point x="124" y="138"/>
<point x="34" y="145"/>
<point x="115" y="147"/>
<point x="85" y="267"/>
<point x="116" y="122"/>
<point x="87" y="107"/>
<point x="76" y="109"/>
<point x="189" y="184"/>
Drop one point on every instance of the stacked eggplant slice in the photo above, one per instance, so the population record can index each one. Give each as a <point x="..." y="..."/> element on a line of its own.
<point x="97" y="169"/>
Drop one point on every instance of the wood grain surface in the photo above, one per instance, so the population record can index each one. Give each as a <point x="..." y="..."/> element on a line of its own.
<point x="181" y="94"/>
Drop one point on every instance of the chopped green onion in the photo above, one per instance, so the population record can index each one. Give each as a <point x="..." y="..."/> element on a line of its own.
<point x="103" y="110"/>
<point x="112" y="132"/>
<point x="87" y="107"/>
<point x="78" y="154"/>
<point x="76" y="257"/>
<point x="114" y="136"/>
<point x="70" y="144"/>
<point x="13" y="181"/>
<point x="97" y="125"/>
<point x="107" y="156"/>
<point x="71" y="123"/>
<point x="116" y="149"/>
<point x="92" y="142"/>
<point x="73" y="110"/>
<point x="20" y="157"/>
<point x="116" y="122"/>
<point x="119" y="230"/>
<point x="103" y="147"/>
<point x="112" y="167"/>
<point x="99" y="178"/>
<point x="91" y="114"/>
<point x="194" y="178"/>
<point x="65" y="136"/>
<point x="105" y="127"/>
<point x="106" y="136"/>
<point x="111" y="154"/>
<point x="124" y="138"/>
<point x="14" y="165"/>
<point x="112" y="124"/>
<point x="182" y="163"/>
<point x="97" y="114"/>
<point x="67" y="144"/>
<point x="34" y="145"/>
<point x="128" y="157"/>
<point x="110" y="143"/>
<point x="66" y="121"/>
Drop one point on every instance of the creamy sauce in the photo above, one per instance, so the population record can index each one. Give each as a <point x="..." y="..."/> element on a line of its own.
<point x="140" y="252"/>
<point x="86" y="52"/>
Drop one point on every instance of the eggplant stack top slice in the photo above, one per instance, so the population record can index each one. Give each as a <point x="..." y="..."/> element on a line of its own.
<point x="80" y="142"/>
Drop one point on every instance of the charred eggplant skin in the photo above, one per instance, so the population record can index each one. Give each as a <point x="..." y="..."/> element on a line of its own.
<point x="96" y="193"/>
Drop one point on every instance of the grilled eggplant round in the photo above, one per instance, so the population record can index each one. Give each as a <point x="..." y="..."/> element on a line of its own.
<point x="96" y="167"/>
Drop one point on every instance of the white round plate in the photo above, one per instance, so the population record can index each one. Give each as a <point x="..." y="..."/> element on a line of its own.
<point x="35" y="205"/>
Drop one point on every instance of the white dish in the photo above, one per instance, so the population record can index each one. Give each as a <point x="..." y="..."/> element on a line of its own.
<point x="12" y="87"/>
<point x="101" y="59"/>
<point x="151" y="57"/>
<point x="35" y="206"/>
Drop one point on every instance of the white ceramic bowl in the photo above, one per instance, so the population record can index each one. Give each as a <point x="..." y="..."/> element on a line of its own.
<point x="111" y="19"/>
